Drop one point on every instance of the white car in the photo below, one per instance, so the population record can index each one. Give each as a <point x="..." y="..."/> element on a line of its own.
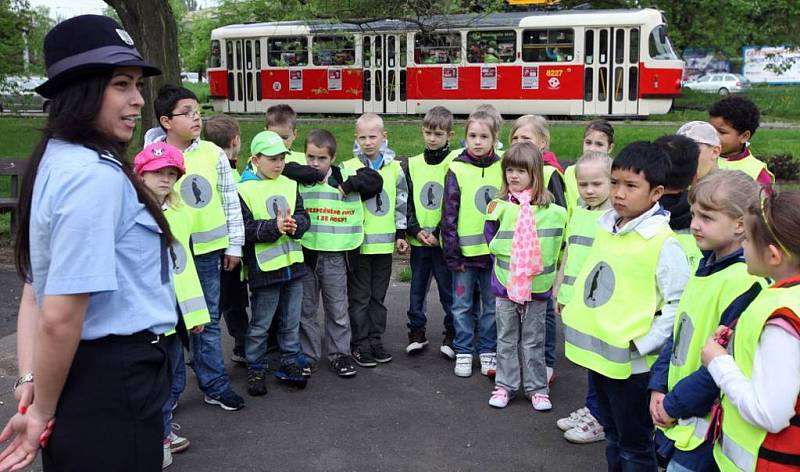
<point x="722" y="83"/>
<point x="17" y="94"/>
<point x="192" y="77"/>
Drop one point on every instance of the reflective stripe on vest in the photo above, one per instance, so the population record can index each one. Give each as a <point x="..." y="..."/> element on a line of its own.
<point x="614" y="302"/>
<point x="265" y="198"/>
<point x="337" y="221"/>
<point x="188" y="291"/>
<point x="477" y="186"/>
<point x="198" y="190"/>
<point x="749" y="165"/>
<point x="428" y="186"/>
<point x="379" y="211"/>
<point x="581" y="230"/>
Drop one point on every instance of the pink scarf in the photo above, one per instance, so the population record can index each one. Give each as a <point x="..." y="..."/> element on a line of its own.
<point x="526" y="251"/>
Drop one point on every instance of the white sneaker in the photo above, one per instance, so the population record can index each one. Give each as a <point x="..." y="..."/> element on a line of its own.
<point x="489" y="364"/>
<point x="541" y="402"/>
<point x="167" y="460"/>
<point x="588" y="431"/>
<point x="178" y="444"/>
<point x="447" y="351"/>
<point x="573" y="420"/>
<point x="463" y="366"/>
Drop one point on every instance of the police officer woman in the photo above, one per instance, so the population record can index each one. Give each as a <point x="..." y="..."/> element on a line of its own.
<point x="92" y="246"/>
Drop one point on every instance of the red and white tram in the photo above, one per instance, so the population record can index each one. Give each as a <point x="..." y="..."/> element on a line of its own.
<point x="581" y="62"/>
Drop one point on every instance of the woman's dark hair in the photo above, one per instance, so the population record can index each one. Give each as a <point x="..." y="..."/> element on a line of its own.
<point x="72" y="117"/>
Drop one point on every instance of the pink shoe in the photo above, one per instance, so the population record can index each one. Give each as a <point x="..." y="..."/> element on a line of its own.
<point x="499" y="398"/>
<point x="541" y="402"/>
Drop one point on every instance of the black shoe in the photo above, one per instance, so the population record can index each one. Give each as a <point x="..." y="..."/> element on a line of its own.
<point x="447" y="345"/>
<point x="416" y="341"/>
<point x="343" y="366"/>
<point x="228" y="401"/>
<point x="256" y="383"/>
<point x="238" y="357"/>
<point x="380" y="355"/>
<point x="364" y="358"/>
<point x="292" y="374"/>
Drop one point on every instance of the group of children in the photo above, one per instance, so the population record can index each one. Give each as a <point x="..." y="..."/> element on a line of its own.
<point x="646" y="257"/>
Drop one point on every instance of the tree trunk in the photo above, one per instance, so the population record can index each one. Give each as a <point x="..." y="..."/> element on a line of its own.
<point x="151" y="24"/>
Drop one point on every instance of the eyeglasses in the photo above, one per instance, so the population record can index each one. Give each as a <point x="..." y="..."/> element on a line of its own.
<point x="188" y="114"/>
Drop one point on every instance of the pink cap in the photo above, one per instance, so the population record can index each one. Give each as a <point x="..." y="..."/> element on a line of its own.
<point x="157" y="156"/>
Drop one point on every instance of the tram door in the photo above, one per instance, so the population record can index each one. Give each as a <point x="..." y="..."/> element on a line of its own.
<point x="611" y="71"/>
<point x="243" y="60"/>
<point x="384" y="60"/>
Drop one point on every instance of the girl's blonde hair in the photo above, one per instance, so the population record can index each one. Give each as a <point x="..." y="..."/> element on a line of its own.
<point x="731" y="192"/>
<point x="527" y="156"/>
<point x="539" y="126"/>
<point x="592" y="157"/>
<point x="775" y="220"/>
<point x="491" y="110"/>
<point x="484" y="118"/>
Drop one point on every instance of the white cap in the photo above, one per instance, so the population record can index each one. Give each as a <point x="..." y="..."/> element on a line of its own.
<point x="700" y="132"/>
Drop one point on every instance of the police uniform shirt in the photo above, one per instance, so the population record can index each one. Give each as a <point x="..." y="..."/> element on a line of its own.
<point x="90" y="234"/>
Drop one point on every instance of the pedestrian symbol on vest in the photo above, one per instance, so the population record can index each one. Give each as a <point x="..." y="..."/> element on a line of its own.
<point x="195" y="191"/>
<point x="599" y="285"/>
<point x="275" y="203"/>
<point x="178" y="257"/>
<point x="431" y="195"/>
<point x="379" y="204"/>
<point x="483" y="196"/>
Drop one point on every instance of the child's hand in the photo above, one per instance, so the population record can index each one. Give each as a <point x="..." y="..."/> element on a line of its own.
<point x="666" y="420"/>
<point x="230" y="262"/>
<point x="285" y="223"/>
<point x="559" y="307"/>
<point x="423" y="237"/>
<point x="657" y="411"/>
<point x="433" y="241"/>
<point x="712" y="350"/>
<point x="401" y="245"/>
<point x="197" y="329"/>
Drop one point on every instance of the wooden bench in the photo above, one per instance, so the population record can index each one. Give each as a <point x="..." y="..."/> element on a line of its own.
<point x="13" y="168"/>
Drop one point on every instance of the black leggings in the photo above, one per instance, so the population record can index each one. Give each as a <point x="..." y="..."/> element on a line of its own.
<point x="109" y="414"/>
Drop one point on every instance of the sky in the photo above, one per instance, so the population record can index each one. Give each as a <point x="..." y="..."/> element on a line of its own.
<point x="68" y="9"/>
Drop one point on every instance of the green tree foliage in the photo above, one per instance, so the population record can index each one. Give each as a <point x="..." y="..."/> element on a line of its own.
<point x="20" y="23"/>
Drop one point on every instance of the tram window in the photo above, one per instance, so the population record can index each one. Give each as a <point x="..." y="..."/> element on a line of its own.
<point x="491" y="46"/>
<point x="216" y="54"/>
<point x="588" y="84"/>
<point x="366" y="52"/>
<point x="588" y="57"/>
<point x="633" y="83"/>
<point x="239" y="54"/>
<point x="403" y="85"/>
<point x="391" y="86"/>
<point x="334" y="50"/>
<point x="367" y="85"/>
<point x="287" y="51"/>
<point x="390" y="51"/>
<point x="437" y="48"/>
<point x="634" y="52"/>
<point x="619" y="46"/>
<point x="602" y="84"/>
<point x="248" y="55"/>
<point x="660" y="47"/>
<point x="249" y="80"/>
<point x="403" y="51"/>
<point x="258" y="53"/>
<point x="603" y="46"/>
<point x="378" y="87"/>
<point x="229" y="54"/>
<point x="548" y="45"/>
<point x="619" y="83"/>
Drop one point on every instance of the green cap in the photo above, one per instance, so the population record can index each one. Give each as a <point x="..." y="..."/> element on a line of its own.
<point x="267" y="143"/>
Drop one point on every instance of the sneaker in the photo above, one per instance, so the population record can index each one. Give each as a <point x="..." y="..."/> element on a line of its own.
<point x="573" y="420"/>
<point x="238" y="358"/>
<point x="177" y="444"/>
<point x="167" y="460"/>
<point x="489" y="364"/>
<point x="463" y="366"/>
<point x="447" y="345"/>
<point x="551" y="376"/>
<point x="588" y="431"/>
<point x="499" y="398"/>
<point x="256" y="382"/>
<point x="364" y="358"/>
<point x="380" y="354"/>
<point x="541" y="402"/>
<point x="293" y="375"/>
<point x="416" y="341"/>
<point x="306" y="364"/>
<point x="343" y="366"/>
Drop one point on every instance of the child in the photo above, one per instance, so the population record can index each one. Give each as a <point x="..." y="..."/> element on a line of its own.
<point x="707" y="139"/>
<point x="736" y="119"/>
<point x="282" y="119"/>
<point x="760" y="378"/>
<point x="209" y="190"/>
<point x="159" y="166"/>
<point x="275" y="220"/>
<point x="424" y="215"/>
<point x="598" y="136"/>
<point x="593" y="174"/>
<point x="635" y="270"/>
<point x="223" y="131"/>
<point x="329" y="247"/>
<point x="384" y="230"/>
<point x="524" y="232"/>
<point x="716" y="294"/>
<point x="470" y="184"/>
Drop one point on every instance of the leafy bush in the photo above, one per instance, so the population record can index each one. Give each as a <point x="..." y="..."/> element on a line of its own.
<point x="784" y="166"/>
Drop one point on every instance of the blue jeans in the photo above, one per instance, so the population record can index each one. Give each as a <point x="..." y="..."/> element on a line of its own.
<point x="591" y="397"/>
<point x="264" y="302"/>
<point x="427" y="262"/>
<point x="463" y="314"/>
<point x="207" y="361"/>
<point x="177" y="367"/>
<point x="550" y="334"/>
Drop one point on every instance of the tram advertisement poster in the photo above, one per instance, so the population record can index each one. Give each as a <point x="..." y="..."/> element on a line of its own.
<point x="530" y="77"/>
<point x="295" y="79"/>
<point x="488" y="78"/>
<point x="334" y="79"/>
<point x="450" y="78"/>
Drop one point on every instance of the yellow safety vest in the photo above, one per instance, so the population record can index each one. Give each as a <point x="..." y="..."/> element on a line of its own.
<point x="703" y="301"/>
<point x="428" y="191"/>
<point x="380" y="227"/>
<point x="188" y="291"/>
<point x="689" y="245"/>
<point x="550" y="222"/>
<point x="478" y="186"/>
<point x="581" y="230"/>
<point x="548" y="174"/>
<point x="337" y="221"/>
<point x="571" y="193"/>
<point x="297" y="157"/>
<point x="614" y="302"/>
<point x="265" y="198"/>
<point x="749" y="165"/>
<point x="737" y="448"/>
<point x="198" y="190"/>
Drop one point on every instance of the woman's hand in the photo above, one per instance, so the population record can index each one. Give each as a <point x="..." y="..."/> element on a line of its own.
<point x="27" y="432"/>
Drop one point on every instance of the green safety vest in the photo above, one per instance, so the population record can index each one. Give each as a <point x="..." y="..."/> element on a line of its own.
<point x="337" y="221"/>
<point x="571" y="193"/>
<point x="188" y="291"/>
<point x="428" y="191"/>
<point x="738" y="446"/>
<point x="689" y="245"/>
<point x="550" y="222"/>
<point x="702" y="303"/>
<point x="478" y="186"/>
<point x="264" y="198"/>
<point x="294" y="156"/>
<point x="237" y="177"/>
<point x="749" y="165"/>
<point x="379" y="220"/>
<point x="614" y="302"/>
<point x="581" y="230"/>
<point x="198" y="190"/>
